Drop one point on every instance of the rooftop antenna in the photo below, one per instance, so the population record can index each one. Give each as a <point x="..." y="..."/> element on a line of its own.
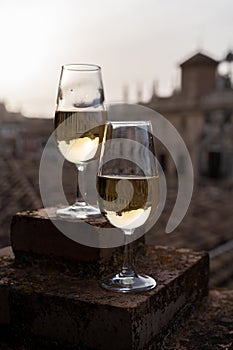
<point x="200" y="38"/>
<point x="229" y="60"/>
<point x="126" y="94"/>
<point x="139" y="93"/>
<point x="154" y="88"/>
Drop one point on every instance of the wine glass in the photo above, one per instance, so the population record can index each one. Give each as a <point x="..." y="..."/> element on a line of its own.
<point x="79" y="122"/>
<point x="128" y="192"/>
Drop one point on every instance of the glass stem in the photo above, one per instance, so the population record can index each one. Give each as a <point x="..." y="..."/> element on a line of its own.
<point x="128" y="269"/>
<point x="80" y="201"/>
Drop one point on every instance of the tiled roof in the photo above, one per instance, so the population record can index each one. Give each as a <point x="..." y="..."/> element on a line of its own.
<point x="207" y="224"/>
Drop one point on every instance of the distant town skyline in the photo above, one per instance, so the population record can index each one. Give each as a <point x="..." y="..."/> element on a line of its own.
<point x="136" y="42"/>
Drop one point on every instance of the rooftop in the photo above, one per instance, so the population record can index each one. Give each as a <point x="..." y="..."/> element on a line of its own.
<point x="206" y="226"/>
<point x="199" y="59"/>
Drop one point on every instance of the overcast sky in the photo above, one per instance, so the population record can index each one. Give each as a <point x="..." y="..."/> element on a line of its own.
<point x="135" y="42"/>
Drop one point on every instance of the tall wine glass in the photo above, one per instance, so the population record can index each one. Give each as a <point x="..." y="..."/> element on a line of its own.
<point x="128" y="190"/>
<point x="79" y="122"/>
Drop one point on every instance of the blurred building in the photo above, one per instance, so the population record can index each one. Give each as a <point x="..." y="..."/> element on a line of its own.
<point x="21" y="143"/>
<point x="202" y="112"/>
<point x="22" y="137"/>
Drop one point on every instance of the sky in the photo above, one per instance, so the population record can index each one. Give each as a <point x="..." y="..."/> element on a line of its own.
<point x="136" y="43"/>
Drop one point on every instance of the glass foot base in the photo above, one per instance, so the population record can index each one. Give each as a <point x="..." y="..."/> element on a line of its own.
<point x="78" y="211"/>
<point x="126" y="284"/>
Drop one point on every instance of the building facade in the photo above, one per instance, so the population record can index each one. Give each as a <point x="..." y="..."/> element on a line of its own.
<point x="22" y="137"/>
<point x="202" y="112"/>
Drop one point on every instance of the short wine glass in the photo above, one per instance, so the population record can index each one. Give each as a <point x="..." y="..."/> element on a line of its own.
<point x="79" y="122"/>
<point x="128" y="192"/>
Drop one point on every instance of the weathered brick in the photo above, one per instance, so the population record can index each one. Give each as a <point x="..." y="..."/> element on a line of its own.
<point x="76" y="311"/>
<point x="4" y="305"/>
<point x="33" y="235"/>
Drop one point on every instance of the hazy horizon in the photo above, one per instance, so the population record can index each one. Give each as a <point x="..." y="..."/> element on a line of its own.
<point x="135" y="42"/>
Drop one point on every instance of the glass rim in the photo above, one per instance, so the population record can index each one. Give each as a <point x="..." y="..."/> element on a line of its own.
<point x="125" y="122"/>
<point x="81" y="67"/>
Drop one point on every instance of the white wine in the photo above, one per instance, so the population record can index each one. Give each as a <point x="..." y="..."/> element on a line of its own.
<point x="127" y="201"/>
<point x="78" y="134"/>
